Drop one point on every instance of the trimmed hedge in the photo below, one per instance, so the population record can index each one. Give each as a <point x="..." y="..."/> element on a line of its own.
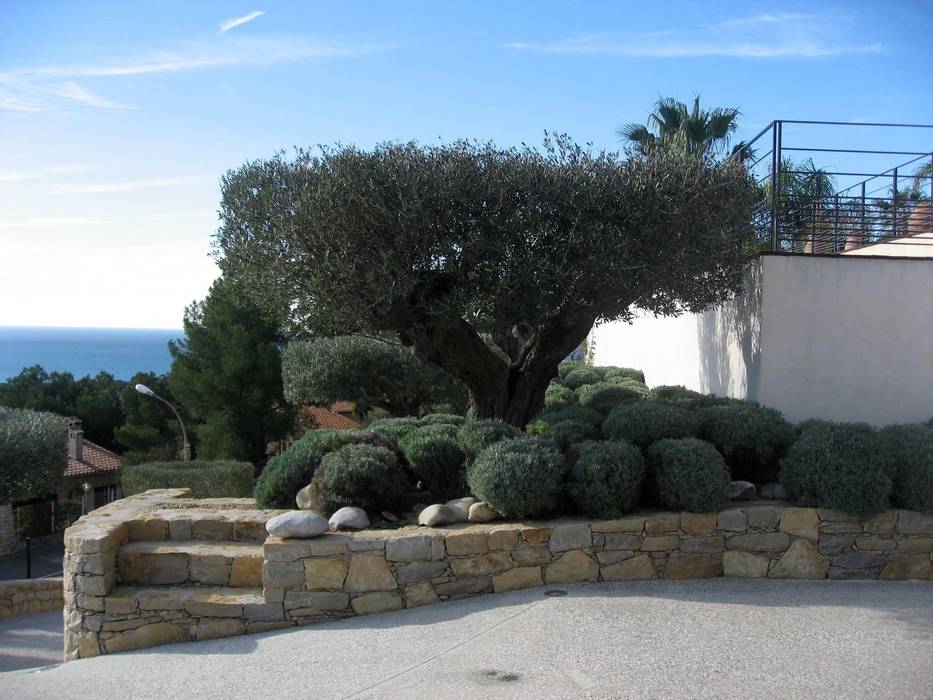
<point x="206" y="479"/>
<point x="569" y="432"/>
<point x="606" y="478"/>
<point x="603" y="397"/>
<point x="581" y="376"/>
<point x="839" y="466"/>
<point x="438" y="461"/>
<point x="645" y="422"/>
<point x="394" y="428"/>
<point x="690" y="475"/>
<point x="682" y="396"/>
<point x="33" y="453"/>
<point x="558" y="396"/>
<point x="558" y="415"/>
<point x="624" y="373"/>
<point x="908" y="450"/>
<point x="441" y="419"/>
<point x="520" y="478"/>
<point x="752" y="438"/>
<point x="475" y="436"/>
<point x="289" y="472"/>
<point x="365" y="476"/>
<point x="638" y="387"/>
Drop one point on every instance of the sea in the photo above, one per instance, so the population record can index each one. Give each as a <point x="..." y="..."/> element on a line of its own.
<point x="86" y="351"/>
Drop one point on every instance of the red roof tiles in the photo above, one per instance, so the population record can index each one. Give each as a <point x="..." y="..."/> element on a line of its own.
<point x="94" y="460"/>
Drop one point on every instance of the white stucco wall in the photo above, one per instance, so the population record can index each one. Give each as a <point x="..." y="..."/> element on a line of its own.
<point x="917" y="246"/>
<point x="845" y="338"/>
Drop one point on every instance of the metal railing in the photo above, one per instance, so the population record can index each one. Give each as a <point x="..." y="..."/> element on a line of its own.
<point x="806" y="208"/>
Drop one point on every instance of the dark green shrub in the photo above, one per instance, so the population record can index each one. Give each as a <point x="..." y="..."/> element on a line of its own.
<point x="557" y="415"/>
<point x="438" y="461"/>
<point x="624" y="373"/>
<point x="752" y="438"/>
<point x="475" y="436"/>
<point x="569" y="432"/>
<point x="603" y="397"/>
<point x="581" y="376"/>
<point x="685" y="397"/>
<point x="206" y="479"/>
<point x="908" y="450"/>
<point x="839" y="466"/>
<point x="689" y="474"/>
<point x="629" y="383"/>
<point x="645" y="422"/>
<point x="558" y="396"/>
<point x="289" y="472"/>
<point x="33" y="453"/>
<point x="520" y="478"/>
<point x="441" y="419"/>
<point x="366" y="476"/>
<point x="565" y="368"/>
<point x="394" y="428"/>
<point x="605" y="480"/>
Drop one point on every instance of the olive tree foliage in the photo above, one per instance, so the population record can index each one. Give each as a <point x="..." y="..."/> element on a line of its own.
<point x="33" y="453"/>
<point x="368" y="371"/>
<point x="436" y="244"/>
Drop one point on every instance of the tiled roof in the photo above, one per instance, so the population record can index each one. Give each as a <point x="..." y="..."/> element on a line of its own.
<point x="94" y="460"/>
<point x="342" y="407"/>
<point x="319" y="417"/>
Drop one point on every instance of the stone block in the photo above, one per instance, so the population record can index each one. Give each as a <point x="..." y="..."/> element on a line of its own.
<point x="840" y="528"/>
<point x="614" y="556"/>
<point x="179" y="530"/>
<point x="122" y="625"/>
<point x="838" y="574"/>
<point x="504" y="540"/>
<point x="317" y="600"/>
<point x="369" y="572"/>
<point x="421" y="593"/>
<point x="278" y="550"/>
<point x="662" y="522"/>
<point x="147" y="636"/>
<point x="100" y="563"/>
<point x="915" y="545"/>
<point x="682" y="566"/>
<point x="366" y="544"/>
<point x="536" y="535"/>
<point x="410" y="548"/>
<point x="698" y="523"/>
<point x="710" y="544"/>
<point x="912" y="523"/>
<point x="634" y="524"/>
<point x="376" y="603"/>
<point x="94" y="585"/>
<point x="213" y="606"/>
<point x="617" y="540"/>
<point x="153" y="569"/>
<point x="915" y="566"/>
<point x="93" y="603"/>
<point x="763" y="518"/>
<point x="567" y="537"/>
<point x="759" y="542"/>
<point x="732" y="520"/>
<point x="212" y="530"/>
<point x="466" y="543"/>
<point x="249" y="530"/>
<point x="323" y="573"/>
<point x="859" y="560"/>
<point x="571" y="567"/>
<point x="418" y="570"/>
<point x="328" y="545"/>
<point x="835" y="544"/>
<point x="883" y="524"/>
<point x="147" y="529"/>
<point x="525" y="556"/>
<point x="246" y="571"/>
<point x="660" y="543"/>
<point x="120" y="602"/>
<point x="277" y="574"/>
<point x="88" y="646"/>
<point x="464" y="586"/>
<point x="517" y="578"/>
<point x="744" y="565"/>
<point x="263" y="611"/>
<point x="482" y="565"/>
<point x="801" y="560"/>
<point x="161" y="599"/>
<point x="875" y="544"/>
<point x="273" y="595"/>
<point x="210" y="569"/>
<point x="267" y="626"/>
<point x="217" y="629"/>
<point x="801" y="522"/>
<point x="636" y="568"/>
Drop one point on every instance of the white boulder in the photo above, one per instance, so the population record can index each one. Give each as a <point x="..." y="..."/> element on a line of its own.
<point x="481" y="513"/>
<point x="297" y="524"/>
<point x="438" y="514"/>
<point x="461" y="506"/>
<point x="349" y="518"/>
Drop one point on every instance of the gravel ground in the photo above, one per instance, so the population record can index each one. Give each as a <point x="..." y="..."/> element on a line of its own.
<point x="30" y="641"/>
<point x="657" y="639"/>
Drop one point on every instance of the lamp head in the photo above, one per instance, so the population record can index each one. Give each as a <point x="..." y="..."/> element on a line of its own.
<point x="143" y="389"/>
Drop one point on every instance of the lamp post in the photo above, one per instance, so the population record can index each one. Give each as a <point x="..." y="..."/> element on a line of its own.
<point x="86" y="489"/>
<point x="146" y="391"/>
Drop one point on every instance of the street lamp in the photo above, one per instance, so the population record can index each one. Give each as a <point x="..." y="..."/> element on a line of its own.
<point x="146" y="391"/>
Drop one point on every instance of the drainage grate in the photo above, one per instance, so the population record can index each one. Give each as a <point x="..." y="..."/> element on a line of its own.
<point x="555" y="593"/>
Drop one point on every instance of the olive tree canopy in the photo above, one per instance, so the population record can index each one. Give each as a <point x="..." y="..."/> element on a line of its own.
<point x="434" y="244"/>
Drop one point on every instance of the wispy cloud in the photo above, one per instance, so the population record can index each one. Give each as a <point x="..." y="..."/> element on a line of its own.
<point x="134" y="185"/>
<point x="39" y="173"/>
<point x="782" y="35"/>
<point x="237" y="21"/>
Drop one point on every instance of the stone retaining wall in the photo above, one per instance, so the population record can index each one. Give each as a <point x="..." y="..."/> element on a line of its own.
<point x="33" y="595"/>
<point x="344" y="574"/>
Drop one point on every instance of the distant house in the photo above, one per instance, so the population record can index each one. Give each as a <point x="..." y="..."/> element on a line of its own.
<point x="339" y="416"/>
<point x="92" y="475"/>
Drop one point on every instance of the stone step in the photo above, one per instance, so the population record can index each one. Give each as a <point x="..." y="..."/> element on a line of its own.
<point x="200" y="601"/>
<point x="234" y="564"/>
<point x="211" y="525"/>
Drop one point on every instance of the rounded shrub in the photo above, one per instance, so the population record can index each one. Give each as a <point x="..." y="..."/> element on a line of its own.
<point x="289" y="472"/>
<point x="476" y="435"/>
<point x="603" y="397"/>
<point x="436" y="459"/>
<point x="645" y="422"/>
<point x="624" y="373"/>
<point x="689" y="474"/>
<point x="365" y="476"/>
<point x="569" y="432"/>
<point x="752" y="438"/>
<point x="839" y="466"/>
<point x="565" y="368"/>
<point x="581" y="376"/>
<point x="520" y="478"/>
<point x="628" y="383"/>
<point x="605" y="480"/>
<point x="556" y="415"/>
<point x="441" y="419"/>
<point x="682" y="396"/>
<point x="558" y="396"/>
<point x="206" y="479"/>
<point x="908" y="450"/>
<point x="393" y="428"/>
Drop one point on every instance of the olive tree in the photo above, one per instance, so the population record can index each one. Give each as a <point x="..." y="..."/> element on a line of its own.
<point x="435" y="245"/>
<point x="33" y="453"/>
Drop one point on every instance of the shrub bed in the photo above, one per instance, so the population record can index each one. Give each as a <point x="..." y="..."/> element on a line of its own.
<point x="206" y="479"/>
<point x="908" y="450"/>
<point x="569" y="432"/>
<point x="520" y="477"/>
<point x="645" y="422"/>
<point x="689" y="474"/>
<point x="366" y="476"/>
<point x="475" y="436"/>
<point x="606" y="478"/>
<point x="603" y="396"/>
<point x="558" y="396"/>
<point x="437" y="460"/>
<point x="750" y="437"/>
<point x="581" y="376"/>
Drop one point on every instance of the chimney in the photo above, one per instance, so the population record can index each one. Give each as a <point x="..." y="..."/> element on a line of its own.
<point x="75" y="440"/>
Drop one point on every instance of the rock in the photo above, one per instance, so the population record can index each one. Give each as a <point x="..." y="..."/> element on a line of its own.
<point x="801" y="560"/>
<point x="481" y="513"/>
<point x="147" y="636"/>
<point x="298" y="524"/>
<point x="663" y="522"/>
<point x="437" y="514"/>
<point x="349" y="518"/>
<point x="693" y="566"/>
<point x="463" y="543"/>
<point x="733" y="520"/>
<point x="571" y="567"/>
<point x="519" y="577"/>
<point x="565" y="537"/>
<point x="618" y="540"/>
<point x="461" y="507"/>
<point x="480" y="566"/>
<point x="246" y="572"/>
<point x="303" y="498"/>
<point x="322" y="573"/>
<point x="774" y="491"/>
<point x="698" y="523"/>
<point x="391" y="517"/>
<point x="369" y="572"/>
<point x="636" y="568"/>
<point x="744" y="565"/>
<point x="710" y="544"/>
<point x="415" y="548"/>
<point x="908" y="523"/>
<point x="742" y="491"/>
<point x="759" y="542"/>
<point x="376" y="603"/>
<point x="419" y="570"/>
<point x="420" y="594"/>
<point x="503" y="539"/>
<point x="282" y="574"/>
<point x="661" y="543"/>
<point x="859" y="560"/>
<point x="764" y="518"/>
<point x="909" y="567"/>
<point x="801" y="522"/>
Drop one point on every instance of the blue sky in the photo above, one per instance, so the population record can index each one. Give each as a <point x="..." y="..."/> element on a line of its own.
<point x="118" y="118"/>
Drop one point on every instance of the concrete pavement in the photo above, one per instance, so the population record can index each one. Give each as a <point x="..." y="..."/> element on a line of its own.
<point x="29" y="641"/>
<point x="655" y="639"/>
<point x="46" y="561"/>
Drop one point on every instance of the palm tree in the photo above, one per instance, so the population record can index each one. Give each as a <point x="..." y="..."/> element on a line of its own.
<point x="672" y="123"/>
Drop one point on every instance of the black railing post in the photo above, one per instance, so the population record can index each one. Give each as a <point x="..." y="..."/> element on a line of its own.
<point x="862" y="216"/>
<point x="894" y="203"/>
<point x="835" y="223"/>
<point x="775" y="184"/>
<point x="28" y="557"/>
